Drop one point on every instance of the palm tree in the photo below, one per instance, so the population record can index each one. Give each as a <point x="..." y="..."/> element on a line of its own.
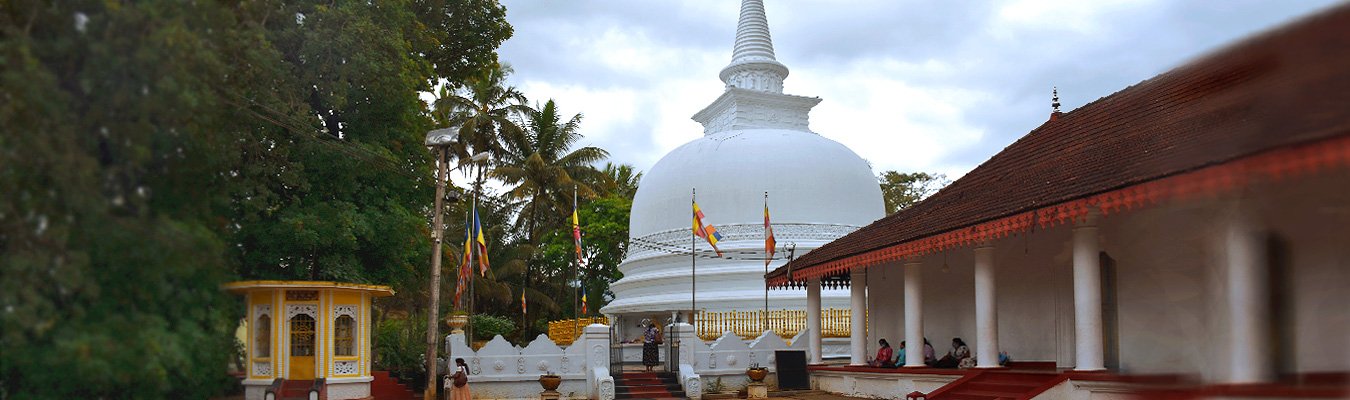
<point x="545" y="172"/>
<point x="483" y="109"/>
<point x="621" y="180"/>
<point x="543" y="167"/>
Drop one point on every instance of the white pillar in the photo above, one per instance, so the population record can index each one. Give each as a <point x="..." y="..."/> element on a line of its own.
<point x="1248" y="305"/>
<point x="858" y="317"/>
<point x="813" y="320"/>
<point x="986" y="309"/>
<point x="913" y="314"/>
<point x="1087" y="298"/>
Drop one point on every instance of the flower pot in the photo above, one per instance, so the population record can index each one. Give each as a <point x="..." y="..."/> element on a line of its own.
<point x="550" y="382"/>
<point x="456" y="322"/>
<point x="757" y="374"/>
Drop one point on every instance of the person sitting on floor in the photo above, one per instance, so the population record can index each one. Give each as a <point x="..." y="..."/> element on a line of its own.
<point x="900" y="355"/>
<point x="929" y="355"/>
<point x="883" y="358"/>
<point x="958" y="356"/>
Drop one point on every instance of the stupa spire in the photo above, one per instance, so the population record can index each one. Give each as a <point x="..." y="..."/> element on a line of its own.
<point x="753" y="65"/>
<point x="754" y="96"/>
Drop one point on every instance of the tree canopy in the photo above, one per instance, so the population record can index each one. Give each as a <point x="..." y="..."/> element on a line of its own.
<point x="901" y="190"/>
<point x="155" y="150"/>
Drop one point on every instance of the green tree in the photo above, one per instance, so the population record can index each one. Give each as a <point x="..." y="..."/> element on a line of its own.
<point x="901" y="190"/>
<point x="604" y="227"/>
<point x="110" y="139"/>
<point x="154" y="150"/>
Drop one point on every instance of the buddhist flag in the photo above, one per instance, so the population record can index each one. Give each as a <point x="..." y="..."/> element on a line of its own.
<point x="583" y="300"/>
<point x="769" y="241"/>
<point x="707" y="232"/>
<point x="461" y="282"/>
<point x="482" y="243"/>
<point x="523" y="308"/>
<point x="468" y="245"/>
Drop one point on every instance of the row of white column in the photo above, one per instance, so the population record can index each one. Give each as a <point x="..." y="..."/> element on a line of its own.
<point x="1248" y="307"/>
<point x="1087" y="310"/>
<point x="1087" y="297"/>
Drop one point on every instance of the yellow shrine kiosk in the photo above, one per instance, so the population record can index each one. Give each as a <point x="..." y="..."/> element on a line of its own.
<point x="301" y="331"/>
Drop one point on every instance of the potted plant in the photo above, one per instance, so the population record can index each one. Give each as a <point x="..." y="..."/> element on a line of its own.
<point x="550" y="381"/>
<point x="756" y="372"/>
<point x="456" y="321"/>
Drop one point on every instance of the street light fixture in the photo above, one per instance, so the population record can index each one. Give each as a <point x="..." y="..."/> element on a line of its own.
<point x="439" y="140"/>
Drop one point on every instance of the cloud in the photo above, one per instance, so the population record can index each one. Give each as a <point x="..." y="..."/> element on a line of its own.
<point x="909" y="85"/>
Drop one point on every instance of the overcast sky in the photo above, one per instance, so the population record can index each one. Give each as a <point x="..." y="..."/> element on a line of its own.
<point x="936" y="86"/>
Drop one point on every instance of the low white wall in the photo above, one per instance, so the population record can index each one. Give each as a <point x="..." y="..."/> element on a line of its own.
<point x="349" y="390"/>
<point x="876" y="385"/>
<point x="500" y="370"/>
<point x="254" y="390"/>
<point x="721" y="364"/>
<point x="1088" y="390"/>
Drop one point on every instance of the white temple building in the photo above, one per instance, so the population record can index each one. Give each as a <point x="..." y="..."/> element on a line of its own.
<point x="756" y="141"/>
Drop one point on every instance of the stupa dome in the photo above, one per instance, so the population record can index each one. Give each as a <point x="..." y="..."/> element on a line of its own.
<point x="809" y="179"/>
<point x="756" y="142"/>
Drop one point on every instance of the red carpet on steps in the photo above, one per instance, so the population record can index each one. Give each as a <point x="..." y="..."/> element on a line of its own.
<point x="994" y="385"/>
<point x="386" y="387"/>
<point x="647" y="385"/>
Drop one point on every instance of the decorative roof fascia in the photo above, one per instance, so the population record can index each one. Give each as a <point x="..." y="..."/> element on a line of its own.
<point x="242" y="286"/>
<point x="749" y="109"/>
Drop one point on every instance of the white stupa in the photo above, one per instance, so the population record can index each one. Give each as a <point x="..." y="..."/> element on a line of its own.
<point x="756" y="140"/>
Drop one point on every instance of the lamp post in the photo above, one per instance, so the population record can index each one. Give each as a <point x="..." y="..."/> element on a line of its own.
<point x="439" y="140"/>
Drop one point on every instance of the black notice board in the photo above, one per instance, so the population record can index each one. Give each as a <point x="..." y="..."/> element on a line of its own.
<point x="791" y="365"/>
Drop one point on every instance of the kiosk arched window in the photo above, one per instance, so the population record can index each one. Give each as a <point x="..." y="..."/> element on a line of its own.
<point x="344" y="336"/>
<point x="262" y="347"/>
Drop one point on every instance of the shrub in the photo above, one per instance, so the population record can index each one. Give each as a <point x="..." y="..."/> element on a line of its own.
<point x="399" y="348"/>
<point x="486" y="326"/>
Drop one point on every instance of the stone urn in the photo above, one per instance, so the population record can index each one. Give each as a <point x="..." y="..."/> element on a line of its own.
<point x="457" y="321"/>
<point x="550" y="382"/>
<point x="757" y="374"/>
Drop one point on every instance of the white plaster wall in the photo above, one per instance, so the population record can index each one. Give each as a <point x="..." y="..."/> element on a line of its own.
<point x="1033" y="292"/>
<point x="1170" y="289"/>
<point x="1079" y="390"/>
<point x="721" y="365"/>
<point x="1313" y="218"/>
<point x="255" y="391"/>
<point x="349" y="390"/>
<point x="886" y="307"/>
<point x="525" y="389"/>
<point x="501" y="370"/>
<point x="877" y="386"/>
<point x="1171" y="278"/>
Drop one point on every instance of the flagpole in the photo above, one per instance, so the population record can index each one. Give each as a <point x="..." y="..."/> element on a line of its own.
<point x="473" y="218"/>
<point x="693" y="268"/>
<point x="576" y="268"/>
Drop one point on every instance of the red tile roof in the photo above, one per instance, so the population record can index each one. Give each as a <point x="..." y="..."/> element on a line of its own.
<point x="1284" y="88"/>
